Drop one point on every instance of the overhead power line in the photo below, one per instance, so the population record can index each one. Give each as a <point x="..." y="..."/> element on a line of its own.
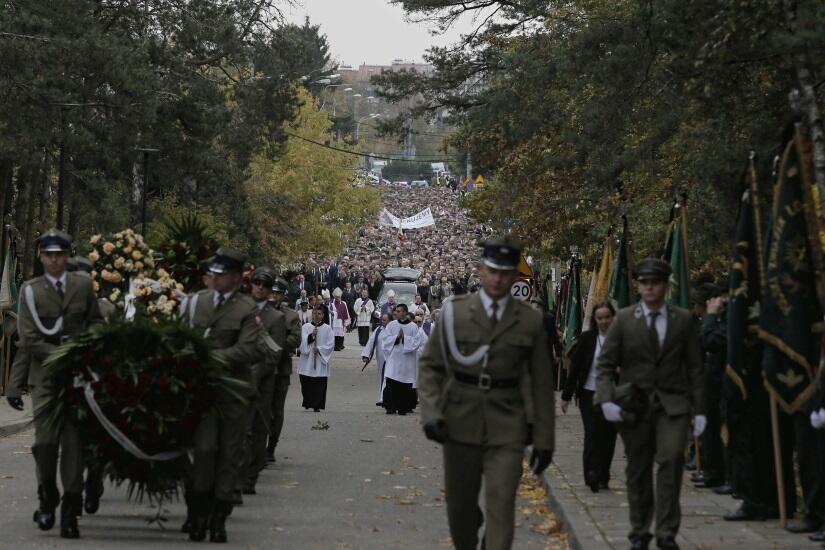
<point x="370" y="155"/>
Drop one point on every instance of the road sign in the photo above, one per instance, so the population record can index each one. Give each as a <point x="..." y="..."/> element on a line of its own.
<point x="521" y="290"/>
<point x="479" y="181"/>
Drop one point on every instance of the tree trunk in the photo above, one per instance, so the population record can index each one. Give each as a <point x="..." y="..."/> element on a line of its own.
<point x="806" y="99"/>
<point x="6" y="192"/>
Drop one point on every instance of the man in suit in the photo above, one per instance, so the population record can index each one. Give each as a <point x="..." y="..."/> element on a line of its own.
<point x="228" y="320"/>
<point x="53" y="308"/>
<point x="273" y="321"/>
<point x="349" y="296"/>
<point x="654" y="348"/>
<point x="283" y="374"/>
<point x="484" y="378"/>
<point x="299" y="285"/>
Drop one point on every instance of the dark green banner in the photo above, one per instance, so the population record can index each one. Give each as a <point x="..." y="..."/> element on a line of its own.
<point x="790" y="306"/>
<point x="745" y="287"/>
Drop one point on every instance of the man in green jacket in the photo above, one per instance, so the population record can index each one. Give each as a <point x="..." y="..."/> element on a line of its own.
<point x="283" y="374"/>
<point x="654" y="348"/>
<point x="53" y="308"/>
<point x="485" y="382"/>
<point x="273" y="321"/>
<point x="228" y="320"/>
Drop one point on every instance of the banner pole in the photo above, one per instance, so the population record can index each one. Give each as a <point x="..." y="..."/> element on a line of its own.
<point x="777" y="457"/>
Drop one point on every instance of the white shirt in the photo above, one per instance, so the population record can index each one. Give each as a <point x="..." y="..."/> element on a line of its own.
<point x="661" y="321"/>
<point x="63" y="279"/>
<point x="487" y="302"/>
<point x="590" y="384"/>
<point x="315" y="357"/>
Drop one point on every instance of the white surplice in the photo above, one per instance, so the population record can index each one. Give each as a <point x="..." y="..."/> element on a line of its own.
<point x="402" y="358"/>
<point x="314" y="360"/>
<point x="375" y="347"/>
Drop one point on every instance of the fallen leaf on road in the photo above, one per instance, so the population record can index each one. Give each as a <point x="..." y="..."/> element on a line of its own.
<point x="367" y="441"/>
<point x="376" y="529"/>
<point x="367" y="480"/>
<point x="320" y="425"/>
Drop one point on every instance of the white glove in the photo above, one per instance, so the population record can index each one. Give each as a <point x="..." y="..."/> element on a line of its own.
<point x="818" y="419"/>
<point x="612" y="412"/>
<point x="700" y="421"/>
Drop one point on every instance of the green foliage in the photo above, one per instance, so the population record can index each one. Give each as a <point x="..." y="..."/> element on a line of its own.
<point x="209" y="84"/>
<point x="305" y="203"/>
<point x="583" y="111"/>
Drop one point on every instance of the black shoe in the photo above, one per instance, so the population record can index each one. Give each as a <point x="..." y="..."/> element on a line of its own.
<point x="743" y="514"/>
<point x="819" y="536"/>
<point x="604" y="486"/>
<point x="379" y="404"/>
<point x="197" y="516"/>
<point x="723" y="490"/>
<point x="708" y="484"/>
<point x="92" y="491"/>
<point x="270" y="456"/>
<point x="237" y="498"/>
<point x="402" y="413"/>
<point x="249" y="490"/>
<point x="69" y="510"/>
<point x="390" y="412"/>
<point x="44" y="516"/>
<point x="667" y="543"/>
<point x="640" y="543"/>
<point x="806" y="525"/>
<point x="217" y="525"/>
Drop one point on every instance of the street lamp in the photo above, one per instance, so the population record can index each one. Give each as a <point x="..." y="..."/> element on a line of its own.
<point x="362" y="119"/>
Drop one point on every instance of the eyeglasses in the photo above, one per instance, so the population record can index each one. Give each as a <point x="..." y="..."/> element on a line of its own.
<point x="650" y="282"/>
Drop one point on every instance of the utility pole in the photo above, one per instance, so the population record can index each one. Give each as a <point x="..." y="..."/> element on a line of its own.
<point x="469" y="166"/>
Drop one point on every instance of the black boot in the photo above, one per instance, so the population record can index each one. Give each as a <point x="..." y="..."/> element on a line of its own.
<point x="197" y="516"/>
<point x="49" y="496"/>
<point x="69" y="510"/>
<point x="92" y="491"/>
<point x="217" y="525"/>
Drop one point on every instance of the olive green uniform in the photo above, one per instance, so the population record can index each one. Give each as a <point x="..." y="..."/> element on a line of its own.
<point x="79" y="309"/>
<point x="273" y="322"/>
<point x="671" y="381"/>
<point x="487" y="429"/>
<point x="283" y="374"/>
<point x="232" y="330"/>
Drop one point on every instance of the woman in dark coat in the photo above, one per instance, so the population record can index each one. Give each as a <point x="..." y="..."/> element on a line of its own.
<point x="599" y="434"/>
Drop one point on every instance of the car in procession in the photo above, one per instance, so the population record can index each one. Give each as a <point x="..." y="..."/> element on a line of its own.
<point x="400" y="280"/>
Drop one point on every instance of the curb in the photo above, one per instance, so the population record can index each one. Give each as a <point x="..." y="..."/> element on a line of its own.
<point x="558" y="509"/>
<point x="14" y="428"/>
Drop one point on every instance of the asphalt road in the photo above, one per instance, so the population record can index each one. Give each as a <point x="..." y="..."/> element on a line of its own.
<point x="348" y="477"/>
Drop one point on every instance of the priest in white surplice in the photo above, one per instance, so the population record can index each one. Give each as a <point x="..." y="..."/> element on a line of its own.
<point x="375" y="348"/>
<point x="401" y="341"/>
<point x="317" y="343"/>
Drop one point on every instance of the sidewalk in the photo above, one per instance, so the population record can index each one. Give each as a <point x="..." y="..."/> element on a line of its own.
<point x="13" y="421"/>
<point x="600" y="520"/>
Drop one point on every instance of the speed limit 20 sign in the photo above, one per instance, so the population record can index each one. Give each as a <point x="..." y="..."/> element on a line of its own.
<point x="521" y="290"/>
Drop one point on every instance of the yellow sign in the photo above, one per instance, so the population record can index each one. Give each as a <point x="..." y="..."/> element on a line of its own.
<point x="524" y="269"/>
<point x="479" y="181"/>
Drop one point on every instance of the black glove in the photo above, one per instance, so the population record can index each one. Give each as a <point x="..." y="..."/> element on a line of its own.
<point x="15" y="402"/>
<point x="540" y="460"/>
<point x="436" y="431"/>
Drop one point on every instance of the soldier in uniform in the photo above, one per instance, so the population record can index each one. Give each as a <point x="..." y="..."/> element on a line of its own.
<point x="284" y="371"/>
<point x="53" y="308"/>
<point x="654" y="349"/>
<point x="485" y="383"/>
<point x="273" y="321"/>
<point x="228" y="320"/>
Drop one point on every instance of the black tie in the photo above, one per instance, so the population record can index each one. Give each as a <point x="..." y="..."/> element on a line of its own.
<point x="59" y="286"/>
<point x="220" y="301"/>
<point x="653" y="333"/>
<point x="494" y="316"/>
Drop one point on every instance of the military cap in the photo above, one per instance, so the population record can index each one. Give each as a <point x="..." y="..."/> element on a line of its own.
<point x="79" y="263"/>
<point x="265" y="274"/>
<point x="501" y="252"/>
<point x="226" y="260"/>
<point x="55" y="240"/>
<point x="280" y="285"/>
<point x="653" y="268"/>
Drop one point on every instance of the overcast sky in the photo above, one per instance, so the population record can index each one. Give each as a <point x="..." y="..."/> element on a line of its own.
<point x="371" y="31"/>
